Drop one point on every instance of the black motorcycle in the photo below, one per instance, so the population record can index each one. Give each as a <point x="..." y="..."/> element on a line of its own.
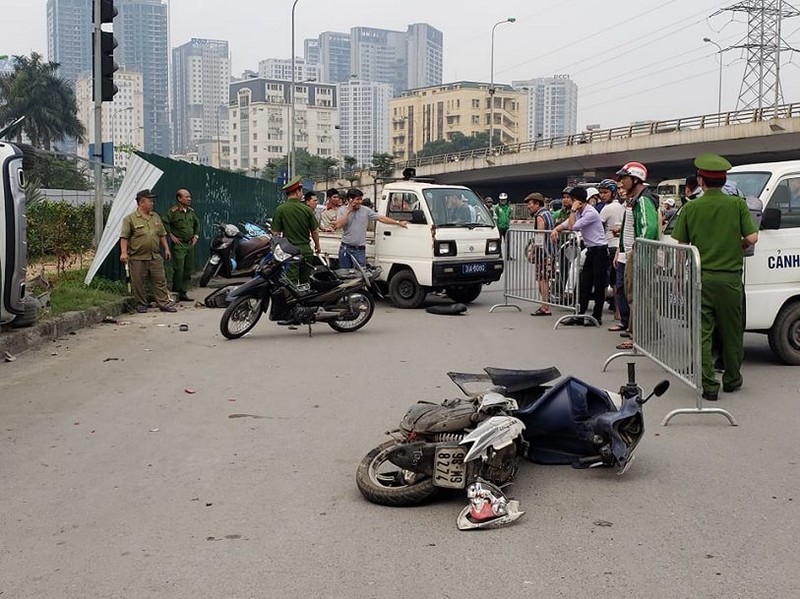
<point x="235" y="253"/>
<point x="473" y="443"/>
<point x="341" y="298"/>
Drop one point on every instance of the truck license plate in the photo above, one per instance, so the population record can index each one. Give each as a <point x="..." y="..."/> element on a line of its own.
<point x="473" y="269"/>
<point x="449" y="468"/>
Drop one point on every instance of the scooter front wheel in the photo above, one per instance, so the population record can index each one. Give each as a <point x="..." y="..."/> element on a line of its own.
<point x="383" y="483"/>
<point x="240" y="317"/>
<point x="209" y="272"/>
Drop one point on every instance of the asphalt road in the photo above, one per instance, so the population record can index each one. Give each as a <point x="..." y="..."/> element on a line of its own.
<point x="118" y="483"/>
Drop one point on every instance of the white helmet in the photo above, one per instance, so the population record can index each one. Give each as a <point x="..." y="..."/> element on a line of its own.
<point x="503" y="196"/>
<point x="634" y="169"/>
<point x="231" y="230"/>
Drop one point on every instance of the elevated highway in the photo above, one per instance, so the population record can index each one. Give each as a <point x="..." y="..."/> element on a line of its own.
<point x="666" y="147"/>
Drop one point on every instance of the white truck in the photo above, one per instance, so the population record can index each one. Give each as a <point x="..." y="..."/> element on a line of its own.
<point x="772" y="272"/>
<point x="14" y="306"/>
<point x="451" y="242"/>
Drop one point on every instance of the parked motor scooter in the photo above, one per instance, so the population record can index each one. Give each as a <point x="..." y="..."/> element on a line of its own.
<point x="472" y="443"/>
<point x="235" y="253"/>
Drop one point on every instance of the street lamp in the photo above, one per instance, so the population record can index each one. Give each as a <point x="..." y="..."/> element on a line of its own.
<point x="290" y="161"/>
<point x="491" y="82"/>
<point x="708" y="40"/>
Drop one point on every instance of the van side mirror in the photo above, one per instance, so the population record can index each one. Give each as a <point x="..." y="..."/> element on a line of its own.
<point x="771" y="219"/>
<point x="418" y="217"/>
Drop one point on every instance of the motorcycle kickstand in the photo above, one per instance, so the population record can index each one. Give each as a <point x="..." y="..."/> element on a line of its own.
<point x="309" y="330"/>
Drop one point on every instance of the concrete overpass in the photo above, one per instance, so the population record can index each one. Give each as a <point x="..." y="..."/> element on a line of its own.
<point x="666" y="147"/>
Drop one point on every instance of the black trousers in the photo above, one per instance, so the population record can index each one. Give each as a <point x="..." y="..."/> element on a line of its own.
<point x="593" y="281"/>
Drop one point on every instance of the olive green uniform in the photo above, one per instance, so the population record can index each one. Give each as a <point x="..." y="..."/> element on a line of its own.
<point x="716" y="223"/>
<point x="295" y="220"/>
<point x="183" y="224"/>
<point x="144" y="235"/>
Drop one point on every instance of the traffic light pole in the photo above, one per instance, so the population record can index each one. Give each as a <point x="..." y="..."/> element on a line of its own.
<point x="98" y="123"/>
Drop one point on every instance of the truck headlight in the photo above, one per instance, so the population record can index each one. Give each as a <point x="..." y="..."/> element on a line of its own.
<point x="444" y="248"/>
<point x="492" y="246"/>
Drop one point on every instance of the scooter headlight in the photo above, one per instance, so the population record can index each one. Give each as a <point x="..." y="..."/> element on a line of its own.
<point x="279" y="254"/>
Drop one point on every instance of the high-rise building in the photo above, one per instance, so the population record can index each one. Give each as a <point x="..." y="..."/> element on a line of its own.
<point x="201" y="72"/>
<point x="552" y="106"/>
<point x="425" y="52"/>
<point x="142" y="30"/>
<point x="334" y="57"/>
<point x="281" y="68"/>
<point x="363" y="119"/>
<point x="123" y="119"/>
<point x="69" y="37"/>
<point x="380" y="55"/>
<point x="259" y="113"/>
<point x="311" y="51"/>
<point x="423" y="115"/>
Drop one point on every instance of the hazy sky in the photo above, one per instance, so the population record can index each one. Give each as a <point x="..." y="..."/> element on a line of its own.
<point x="631" y="60"/>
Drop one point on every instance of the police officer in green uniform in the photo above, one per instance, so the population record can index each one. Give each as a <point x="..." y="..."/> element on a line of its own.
<point x="720" y="227"/>
<point x="183" y="228"/>
<point x="141" y="237"/>
<point x="298" y="223"/>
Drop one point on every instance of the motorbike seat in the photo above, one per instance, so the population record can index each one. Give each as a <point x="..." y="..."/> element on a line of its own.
<point x="250" y="246"/>
<point x="520" y="380"/>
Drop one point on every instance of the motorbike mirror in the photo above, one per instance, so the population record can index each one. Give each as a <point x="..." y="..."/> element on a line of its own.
<point x="658" y="390"/>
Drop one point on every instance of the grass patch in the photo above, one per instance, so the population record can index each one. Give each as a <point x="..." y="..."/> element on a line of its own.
<point x="69" y="293"/>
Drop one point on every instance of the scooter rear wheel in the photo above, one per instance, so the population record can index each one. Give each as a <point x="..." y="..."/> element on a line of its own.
<point x="360" y="308"/>
<point x="240" y="317"/>
<point x="383" y="483"/>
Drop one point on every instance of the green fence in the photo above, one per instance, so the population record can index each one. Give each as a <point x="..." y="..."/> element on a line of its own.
<point x="217" y="196"/>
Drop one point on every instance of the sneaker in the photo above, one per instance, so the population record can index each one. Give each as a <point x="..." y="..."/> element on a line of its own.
<point x="732" y="388"/>
<point x="141" y="308"/>
<point x="711" y="395"/>
<point x="184" y="298"/>
<point x="168" y="308"/>
<point x="572" y="321"/>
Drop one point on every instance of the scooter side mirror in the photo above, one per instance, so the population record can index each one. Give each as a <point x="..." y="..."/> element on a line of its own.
<point x="658" y="391"/>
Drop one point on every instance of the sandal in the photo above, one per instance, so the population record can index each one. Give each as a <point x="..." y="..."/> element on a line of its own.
<point x="617" y="328"/>
<point x="542" y="312"/>
<point x="625" y="345"/>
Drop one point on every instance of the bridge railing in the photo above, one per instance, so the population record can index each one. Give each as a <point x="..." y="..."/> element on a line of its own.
<point x="734" y="117"/>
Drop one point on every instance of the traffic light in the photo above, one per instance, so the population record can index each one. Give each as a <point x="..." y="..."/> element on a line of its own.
<point x="107" y="44"/>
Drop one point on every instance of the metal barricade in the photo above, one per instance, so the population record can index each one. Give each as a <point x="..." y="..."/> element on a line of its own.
<point x="539" y="270"/>
<point x="666" y="316"/>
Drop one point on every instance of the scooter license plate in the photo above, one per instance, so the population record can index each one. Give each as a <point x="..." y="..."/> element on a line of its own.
<point x="449" y="469"/>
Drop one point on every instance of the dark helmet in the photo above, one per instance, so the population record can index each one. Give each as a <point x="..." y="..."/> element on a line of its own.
<point x="609" y="184"/>
<point x="566" y="190"/>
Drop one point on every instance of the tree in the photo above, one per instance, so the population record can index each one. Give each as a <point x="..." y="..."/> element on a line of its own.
<point x="47" y="102"/>
<point x="53" y="172"/>
<point x="307" y="166"/>
<point x="384" y="164"/>
<point x="458" y="143"/>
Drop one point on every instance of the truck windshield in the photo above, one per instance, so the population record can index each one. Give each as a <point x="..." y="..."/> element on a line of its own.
<point x="750" y="184"/>
<point x="455" y="207"/>
<point x="667" y="190"/>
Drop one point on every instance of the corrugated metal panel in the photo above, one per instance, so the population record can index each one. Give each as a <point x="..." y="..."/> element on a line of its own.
<point x="141" y="174"/>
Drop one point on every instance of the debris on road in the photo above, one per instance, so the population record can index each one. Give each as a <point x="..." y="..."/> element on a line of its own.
<point x="183" y="327"/>
<point x="189" y="390"/>
<point x="9" y="357"/>
<point x="109" y="359"/>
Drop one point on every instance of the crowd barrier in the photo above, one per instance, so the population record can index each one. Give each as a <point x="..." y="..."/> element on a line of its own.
<point x="666" y="316"/>
<point x="541" y="271"/>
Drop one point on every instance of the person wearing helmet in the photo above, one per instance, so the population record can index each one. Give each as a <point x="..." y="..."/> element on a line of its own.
<point x="611" y="217"/>
<point x="502" y="218"/>
<point x="640" y="220"/>
<point x="593" y="198"/>
<point x="721" y="264"/>
<point x="489" y="203"/>
<point x="295" y="221"/>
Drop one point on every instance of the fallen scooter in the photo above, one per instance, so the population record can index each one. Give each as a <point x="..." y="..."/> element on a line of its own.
<point x="235" y="253"/>
<point x="473" y="443"/>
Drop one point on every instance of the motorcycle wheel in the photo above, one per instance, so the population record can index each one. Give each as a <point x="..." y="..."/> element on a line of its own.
<point x="240" y="317"/>
<point x="208" y="273"/>
<point x="365" y="306"/>
<point x="383" y="483"/>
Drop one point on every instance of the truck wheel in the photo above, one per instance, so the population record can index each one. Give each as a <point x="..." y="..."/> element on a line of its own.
<point x="28" y="319"/>
<point x="464" y="294"/>
<point x="404" y="290"/>
<point x="784" y="336"/>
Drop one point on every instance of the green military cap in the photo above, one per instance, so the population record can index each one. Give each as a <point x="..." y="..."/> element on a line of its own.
<point x="712" y="165"/>
<point x="294" y="184"/>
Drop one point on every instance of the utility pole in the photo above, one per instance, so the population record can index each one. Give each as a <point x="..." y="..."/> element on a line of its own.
<point x="761" y="84"/>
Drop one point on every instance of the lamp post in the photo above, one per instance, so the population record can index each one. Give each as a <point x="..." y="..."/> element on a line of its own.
<point x="290" y="162"/>
<point x="708" y="40"/>
<point x="113" y="131"/>
<point x="491" y="82"/>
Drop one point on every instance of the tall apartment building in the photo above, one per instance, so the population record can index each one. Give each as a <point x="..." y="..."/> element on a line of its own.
<point x="311" y="51"/>
<point x="552" y="106"/>
<point x="281" y="68"/>
<point x="142" y="30"/>
<point x="425" y="54"/>
<point x="201" y="72"/>
<point x="363" y="119"/>
<point x="259" y="113"/>
<point x="331" y="51"/>
<point x="428" y="114"/>
<point x="123" y="119"/>
<point x="380" y="55"/>
<point x="69" y="37"/>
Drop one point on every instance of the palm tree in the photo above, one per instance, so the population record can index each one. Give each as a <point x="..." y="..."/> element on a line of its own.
<point x="35" y="91"/>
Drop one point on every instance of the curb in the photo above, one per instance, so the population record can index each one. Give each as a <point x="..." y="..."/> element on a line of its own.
<point x="16" y="341"/>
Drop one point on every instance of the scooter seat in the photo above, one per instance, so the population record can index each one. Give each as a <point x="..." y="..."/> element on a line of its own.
<point x="520" y="380"/>
<point x="250" y="246"/>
